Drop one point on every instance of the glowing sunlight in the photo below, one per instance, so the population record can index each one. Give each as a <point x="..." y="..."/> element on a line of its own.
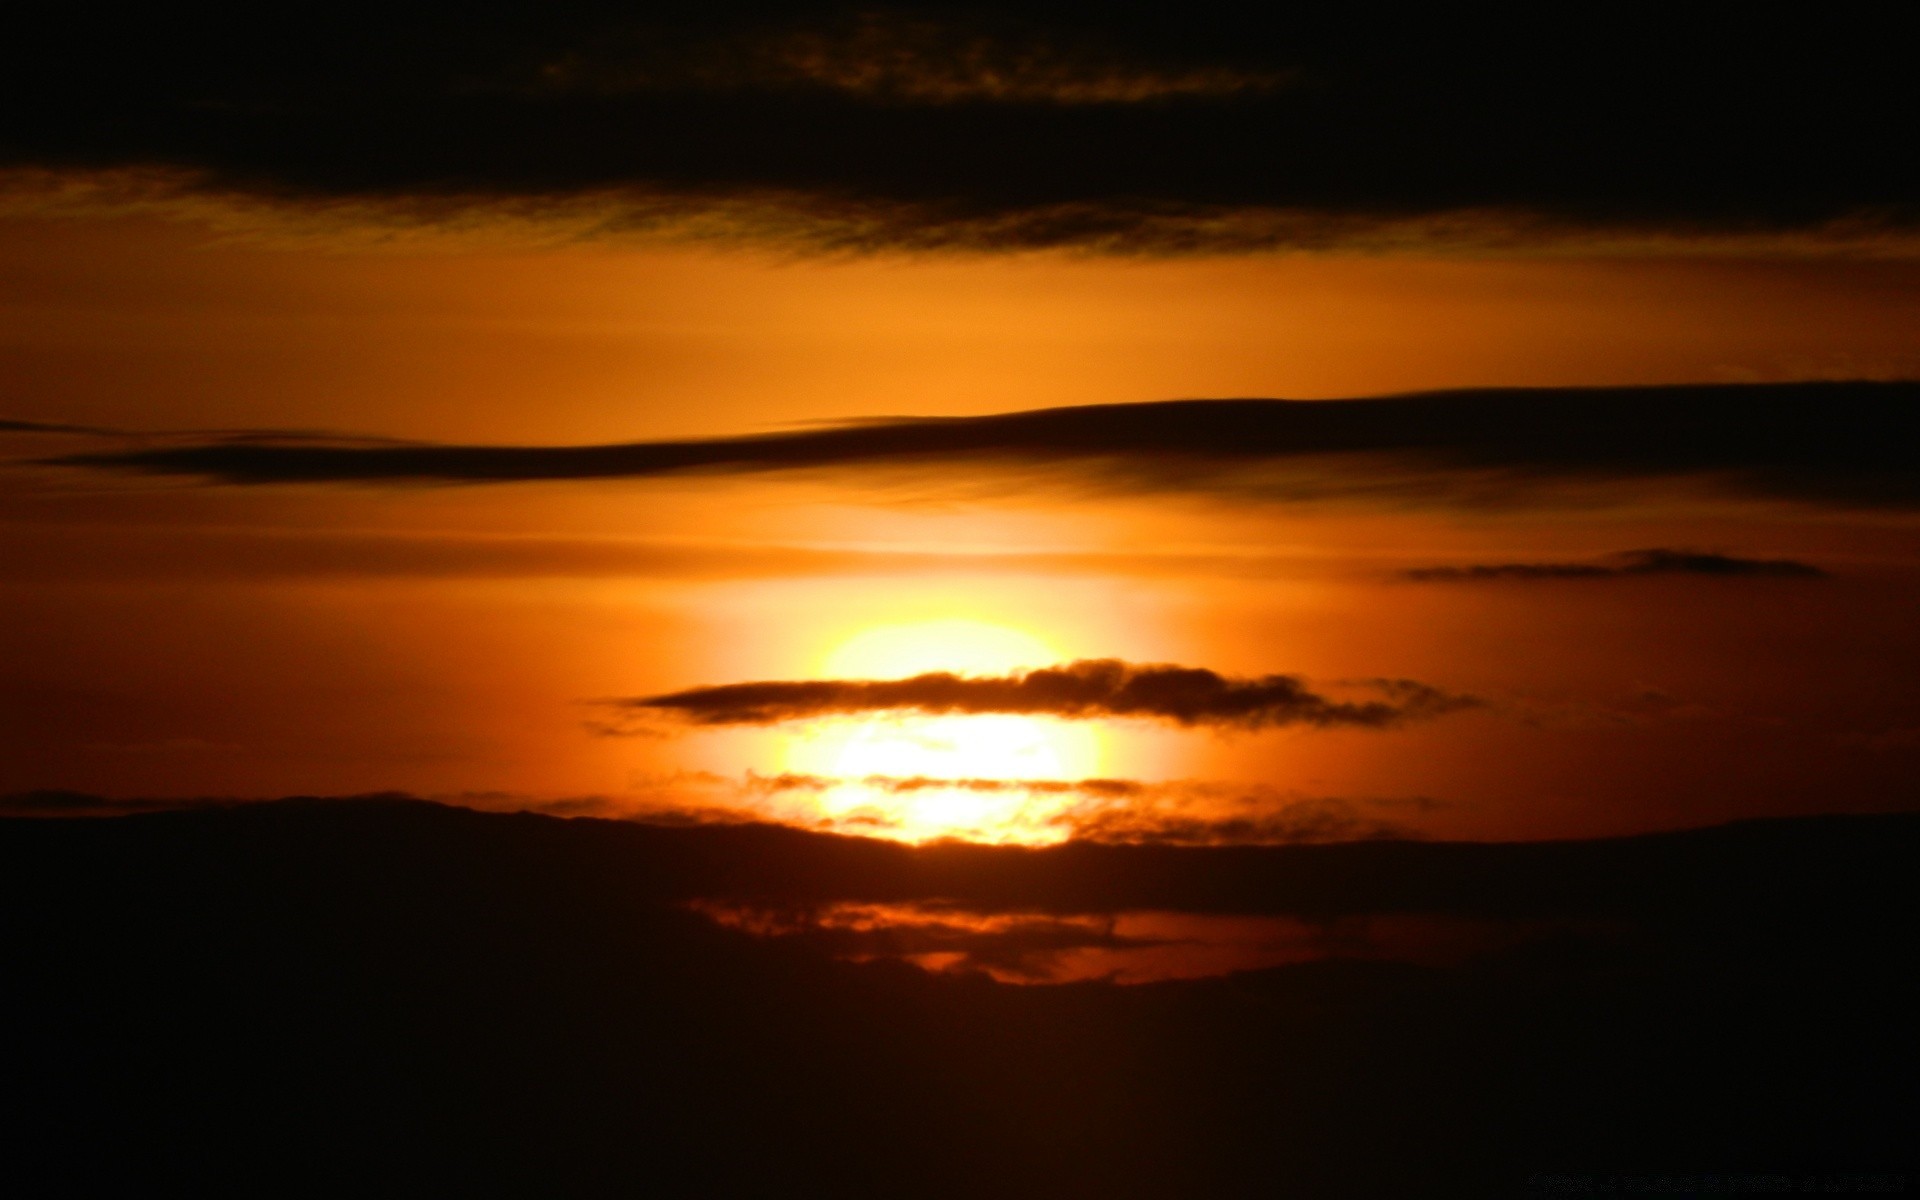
<point x="884" y="775"/>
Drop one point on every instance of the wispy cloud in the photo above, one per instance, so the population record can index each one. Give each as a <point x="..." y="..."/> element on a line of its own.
<point x="1625" y="565"/>
<point x="18" y="425"/>
<point x="1088" y="689"/>
<point x="1830" y="442"/>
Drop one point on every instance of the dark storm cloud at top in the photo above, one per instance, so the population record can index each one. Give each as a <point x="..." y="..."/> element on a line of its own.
<point x="1836" y="443"/>
<point x="1126" y="127"/>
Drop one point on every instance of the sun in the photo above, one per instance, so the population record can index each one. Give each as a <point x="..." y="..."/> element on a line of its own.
<point x="923" y="777"/>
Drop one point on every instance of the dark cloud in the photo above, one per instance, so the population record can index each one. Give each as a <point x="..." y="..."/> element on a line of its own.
<point x="1088" y="689"/>
<point x="1748" y="864"/>
<point x="1020" y="946"/>
<point x="1845" y="443"/>
<point x="1124" y="127"/>
<point x="1628" y="564"/>
<point x="1123" y="947"/>
<point x="327" y="998"/>
<point x="1184" y="816"/>
<point x="14" y="425"/>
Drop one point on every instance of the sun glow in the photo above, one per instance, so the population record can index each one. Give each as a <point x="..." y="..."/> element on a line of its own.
<point x="864" y="762"/>
<point x="951" y="644"/>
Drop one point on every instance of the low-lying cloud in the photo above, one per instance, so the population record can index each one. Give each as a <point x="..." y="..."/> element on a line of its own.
<point x="1625" y="565"/>
<point x="1829" y="442"/>
<point x="1179" y="812"/>
<point x="1083" y="690"/>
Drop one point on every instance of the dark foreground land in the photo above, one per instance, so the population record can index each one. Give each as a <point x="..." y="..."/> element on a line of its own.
<point x="394" y="998"/>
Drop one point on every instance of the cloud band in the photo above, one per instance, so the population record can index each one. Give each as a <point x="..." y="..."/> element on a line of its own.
<point x="1626" y="565"/>
<point x="1842" y="443"/>
<point x="1088" y="689"/>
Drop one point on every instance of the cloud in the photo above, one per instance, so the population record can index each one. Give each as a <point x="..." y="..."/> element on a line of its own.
<point x="1198" y="127"/>
<point x="15" y="425"/>
<point x="1083" y="690"/>
<point x="1116" y="947"/>
<point x="1182" y="812"/>
<point x="906" y="59"/>
<point x="1628" y="564"/>
<point x="1199" y="815"/>
<point x="1832" y="442"/>
<point x="351" y="994"/>
<point x="1022" y="947"/>
<point x="1746" y="865"/>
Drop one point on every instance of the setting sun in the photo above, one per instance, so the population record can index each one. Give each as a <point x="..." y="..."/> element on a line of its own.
<point x="925" y="777"/>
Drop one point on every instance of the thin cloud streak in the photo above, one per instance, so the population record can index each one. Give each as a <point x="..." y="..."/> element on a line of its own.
<point x="1084" y="690"/>
<point x="1628" y="564"/>
<point x="1843" y="443"/>
<point x="17" y="425"/>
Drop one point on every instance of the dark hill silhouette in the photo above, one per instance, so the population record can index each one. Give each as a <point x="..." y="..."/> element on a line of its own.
<point x="396" y="998"/>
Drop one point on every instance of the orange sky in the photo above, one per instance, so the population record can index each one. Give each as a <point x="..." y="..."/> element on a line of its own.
<point x="179" y="639"/>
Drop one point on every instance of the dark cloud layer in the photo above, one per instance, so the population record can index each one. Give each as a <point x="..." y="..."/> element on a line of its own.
<point x="1082" y="690"/>
<point x="1747" y="864"/>
<point x="1132" y="127"/>
<point x="339" y="999"/>
<point x="1826" y="442"/>
<point x="1625" y="565"/>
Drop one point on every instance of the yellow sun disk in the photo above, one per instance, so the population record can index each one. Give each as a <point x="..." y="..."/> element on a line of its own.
<point x="995" y="747"/>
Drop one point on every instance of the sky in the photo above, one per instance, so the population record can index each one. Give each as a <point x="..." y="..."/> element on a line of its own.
<point x="1003" y="423"/>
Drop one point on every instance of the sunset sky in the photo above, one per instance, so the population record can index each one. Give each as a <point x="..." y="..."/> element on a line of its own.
<point x="530" y="410"/>
<point x="717" y="598"/>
